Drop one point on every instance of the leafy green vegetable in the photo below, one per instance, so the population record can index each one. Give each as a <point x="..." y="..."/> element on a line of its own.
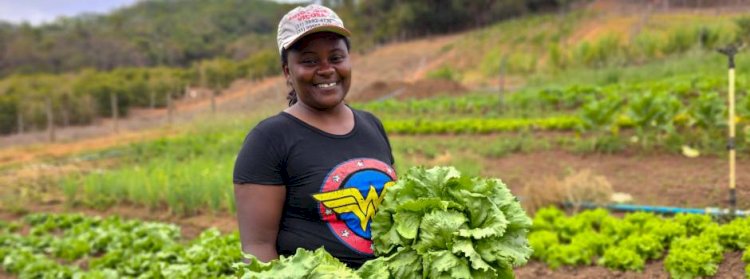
<point x="665" y="230"/>
<point x="694" y="223"/>
<point x="568" y="254"/>
<point x="436" y="223"/>
<point x="541" y="241"/>
<point x="592" y="241"/>
<point x="303" y="264"/>
<point x="695" y="243"/>
<point x="732" y="236"/>
<point x="691" y="257"/>
<point x="623" y="258"/>
<point x="545" y="218"/>
<point x="618" y="229"/>
<point x="647" y="246"/>
<point x="115" y="248"/>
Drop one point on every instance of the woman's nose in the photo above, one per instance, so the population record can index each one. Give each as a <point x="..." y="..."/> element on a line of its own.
<point x="326" y="69"/>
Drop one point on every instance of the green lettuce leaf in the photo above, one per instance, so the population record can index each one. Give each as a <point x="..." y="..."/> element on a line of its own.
<point x="436" y="223"/>
<point x="374" y="269"/>
<point x="438" y="229"/>
<point x="444" y="264"/>
<point x="407" y="224"/>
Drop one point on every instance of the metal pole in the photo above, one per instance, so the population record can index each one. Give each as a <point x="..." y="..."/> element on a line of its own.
<point x="730" y="52"/>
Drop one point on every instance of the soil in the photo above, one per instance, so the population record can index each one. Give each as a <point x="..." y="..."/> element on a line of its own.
<point x="401" y="62"/>
<point x="660" y="179"/>
<point x="399" y="90"/>
<point x="731" y="267"/>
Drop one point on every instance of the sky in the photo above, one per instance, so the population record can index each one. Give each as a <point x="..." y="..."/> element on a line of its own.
<point x="37" y="12"/>
<point x="42" y="11"/>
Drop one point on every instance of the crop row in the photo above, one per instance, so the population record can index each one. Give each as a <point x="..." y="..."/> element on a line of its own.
<point x="693" y="114"/>
<point x="695" y="243"/>
<point x="74" y="246"/>
<point x="556" y="98"/>
<point x="479" y="125"/>
<point x="186" y="173"/>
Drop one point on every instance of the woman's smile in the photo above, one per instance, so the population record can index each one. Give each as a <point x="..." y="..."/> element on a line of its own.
<point x="319" y="70"/>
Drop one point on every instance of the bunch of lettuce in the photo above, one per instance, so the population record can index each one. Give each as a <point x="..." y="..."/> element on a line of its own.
<point x="308" y="264"/>
<point x="435" y="223"/>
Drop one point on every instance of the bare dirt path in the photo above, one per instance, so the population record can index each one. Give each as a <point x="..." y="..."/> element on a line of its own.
<point x="141" y="125"/>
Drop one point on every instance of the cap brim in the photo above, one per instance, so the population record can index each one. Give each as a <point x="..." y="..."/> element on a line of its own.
<point x="326" y="28"/>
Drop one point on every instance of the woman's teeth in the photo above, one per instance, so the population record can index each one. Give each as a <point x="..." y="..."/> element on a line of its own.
<point x="325" y="85"/>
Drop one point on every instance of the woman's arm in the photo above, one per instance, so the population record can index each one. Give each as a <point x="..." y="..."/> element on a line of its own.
<point x="259" y="210"/>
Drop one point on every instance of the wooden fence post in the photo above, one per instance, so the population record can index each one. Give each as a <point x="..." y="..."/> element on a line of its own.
<point x="50" y="120"/>
<point x="115" y="114"/>
<point x="170" y="108"/>
<point x="213" y="101"/>
<point x="19" y="117"/>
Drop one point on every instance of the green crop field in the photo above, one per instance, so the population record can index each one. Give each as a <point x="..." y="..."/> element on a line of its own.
<point x="596" y="104"/>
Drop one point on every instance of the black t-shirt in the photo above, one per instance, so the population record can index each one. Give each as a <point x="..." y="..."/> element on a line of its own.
<point x="334" y="183"/>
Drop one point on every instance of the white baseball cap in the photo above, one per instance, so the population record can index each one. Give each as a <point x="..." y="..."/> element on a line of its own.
<point x="302" y="21"/>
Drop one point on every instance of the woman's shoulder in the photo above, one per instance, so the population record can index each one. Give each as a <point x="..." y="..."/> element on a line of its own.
<point x="366" y="115"/>
<point x="272" y="125"/>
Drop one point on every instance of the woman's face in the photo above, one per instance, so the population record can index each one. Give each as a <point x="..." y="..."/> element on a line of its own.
<point x="319" y="70"/>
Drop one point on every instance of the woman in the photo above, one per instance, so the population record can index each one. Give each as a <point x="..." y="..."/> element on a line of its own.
<point x="313" y="175"/>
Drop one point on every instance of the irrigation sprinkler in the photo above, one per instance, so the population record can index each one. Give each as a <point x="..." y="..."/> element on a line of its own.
<point x="730" y="51"/>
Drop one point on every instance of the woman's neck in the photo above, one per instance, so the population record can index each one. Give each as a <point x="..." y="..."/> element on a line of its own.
<point x="337" y="120"/>
<point x="300" y="108"/>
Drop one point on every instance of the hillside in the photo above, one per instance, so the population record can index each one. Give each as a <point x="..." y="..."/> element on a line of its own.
<point x="539" y="49"/>
<point x="147" y="34"/>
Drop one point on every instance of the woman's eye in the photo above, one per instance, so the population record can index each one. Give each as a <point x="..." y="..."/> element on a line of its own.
<point x="308" y="61"/>
<point x="337" y="58"/>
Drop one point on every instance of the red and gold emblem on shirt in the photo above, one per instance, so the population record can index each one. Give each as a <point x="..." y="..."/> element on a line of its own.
<point x="349" y="198"/>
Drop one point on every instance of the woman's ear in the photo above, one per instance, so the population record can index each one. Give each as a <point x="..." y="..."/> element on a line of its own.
<point x="286" y="72"/>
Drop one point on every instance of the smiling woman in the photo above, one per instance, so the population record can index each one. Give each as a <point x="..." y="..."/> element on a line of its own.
<point x="319" y="70"/>
<point x="313" y="175"/>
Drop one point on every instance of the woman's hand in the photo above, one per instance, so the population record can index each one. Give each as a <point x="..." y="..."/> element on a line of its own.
<point x="259" y="210"/>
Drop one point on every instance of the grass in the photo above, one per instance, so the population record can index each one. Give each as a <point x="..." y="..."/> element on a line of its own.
<point x="191" y="172"/>
<point x="698" y="62"/>
<point x="187" y="174"/>
<point x="184" y="187"/>
<point x="583" y="42"/>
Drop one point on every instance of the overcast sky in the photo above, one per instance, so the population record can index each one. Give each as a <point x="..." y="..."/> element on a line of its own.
<point x="41" y="11"/>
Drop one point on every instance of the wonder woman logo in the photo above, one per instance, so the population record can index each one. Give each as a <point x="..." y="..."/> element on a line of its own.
<point x="349" y="198"/>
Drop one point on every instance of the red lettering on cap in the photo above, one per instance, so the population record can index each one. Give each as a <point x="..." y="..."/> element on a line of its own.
<point x="305" y="15"/>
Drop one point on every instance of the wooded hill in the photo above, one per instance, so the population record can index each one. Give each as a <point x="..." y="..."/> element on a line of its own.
<point x="179" y="32"/>
<point x="67" y="72"/>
